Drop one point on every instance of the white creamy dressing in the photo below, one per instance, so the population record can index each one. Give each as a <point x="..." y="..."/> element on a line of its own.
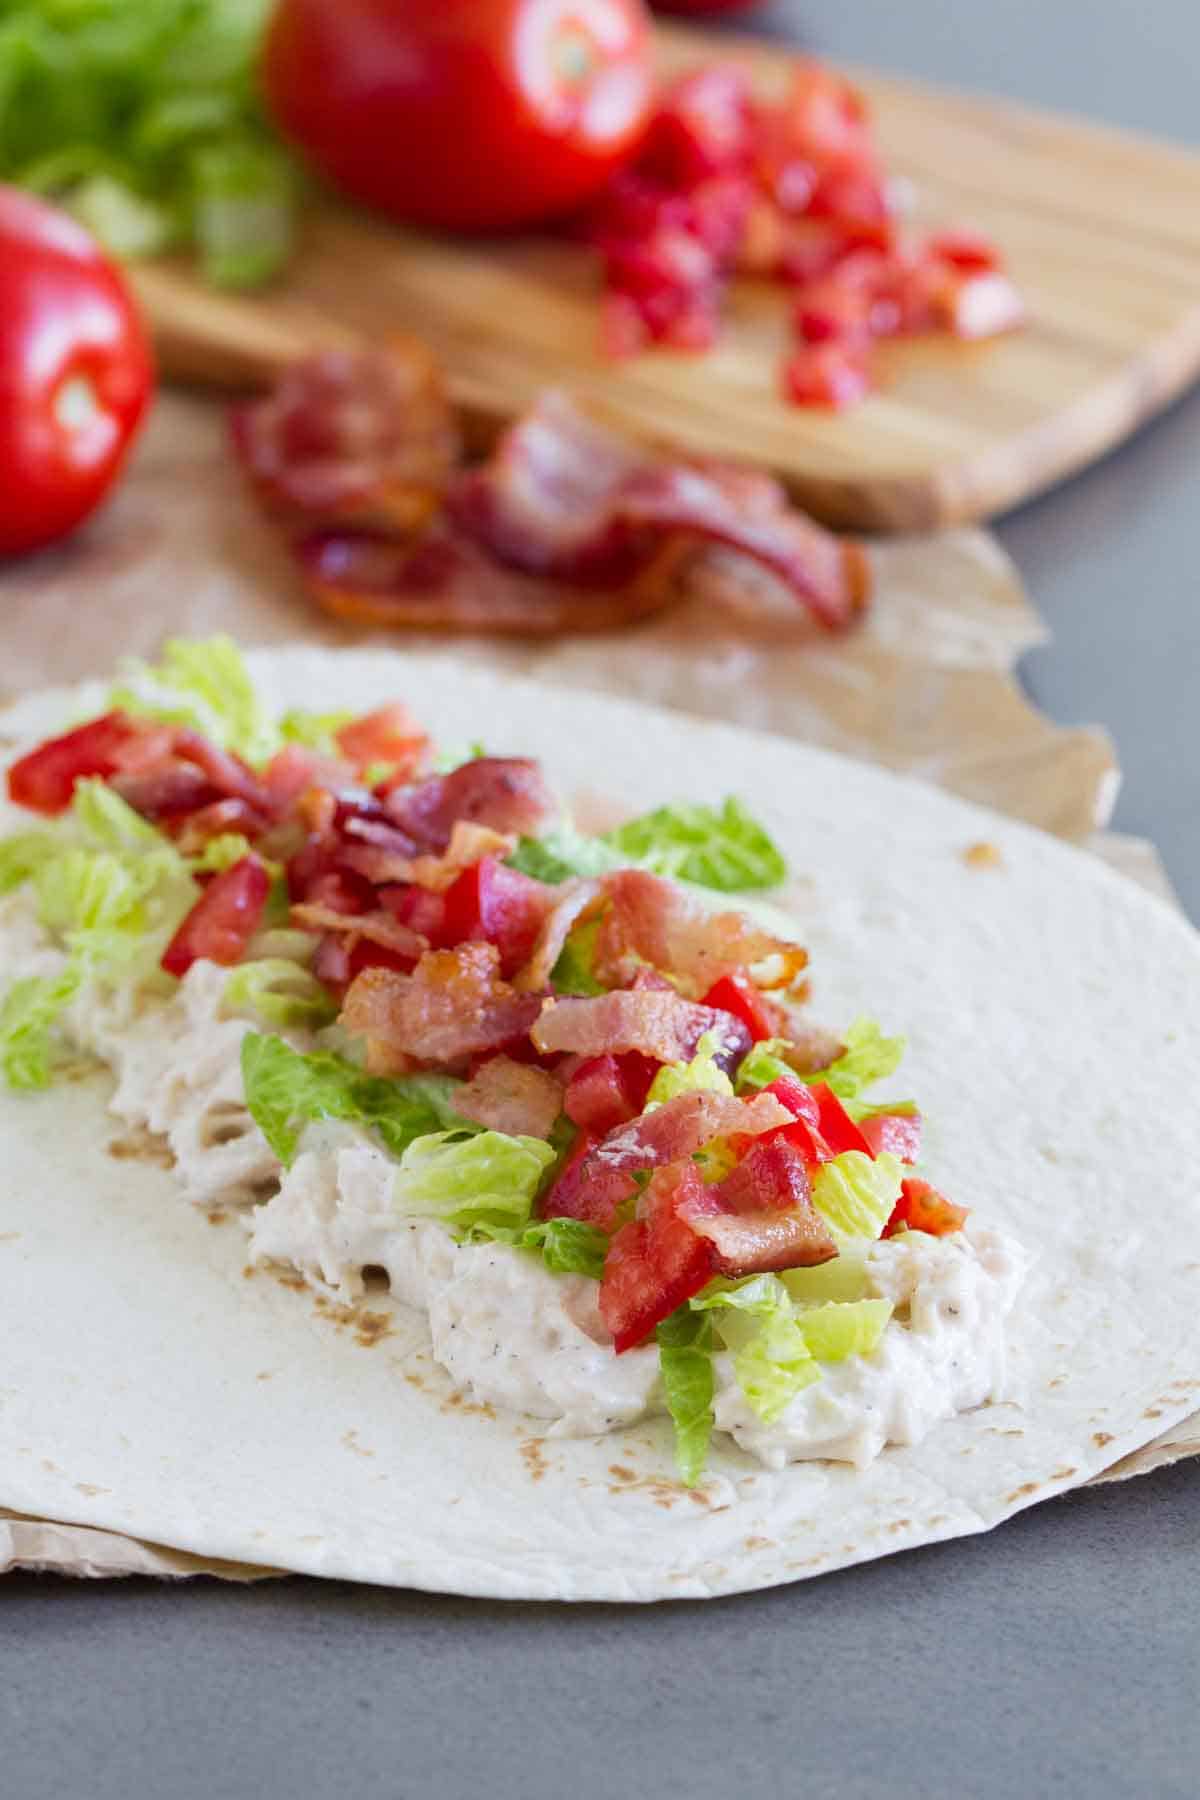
<point x="508" y="1332"/>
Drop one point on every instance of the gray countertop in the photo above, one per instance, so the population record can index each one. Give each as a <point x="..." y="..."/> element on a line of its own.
<point x="1057" y="1655"/>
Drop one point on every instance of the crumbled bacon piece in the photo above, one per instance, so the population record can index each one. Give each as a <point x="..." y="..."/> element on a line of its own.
<point x="658" y="1023"/>
<point x="761" y="1215"/>
<point x="650" y="920"/>
<point x="376" y="927"/>
<point x="506" y="793"/>
<point x="469" y="843"/>
<point x="574" y="899"/>
<point x="362" y="436"/>
<point x="684" y="1125"/>
<point x="512" y="1097"/>
<point x="453" y="1006"/>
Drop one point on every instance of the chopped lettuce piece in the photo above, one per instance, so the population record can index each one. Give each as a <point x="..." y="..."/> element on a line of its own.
<point x="287" y="1090"/>
<point x="839" y="1329"/>
<point x="686" y="1078"/>
<point x="774" y="1364"/>
<point x="747" y="1294"/>
<point x="109" y="822"/>
<point x="685" y="1353"/>
<point x="314" y="731"/>
<point x="725" y="849"/>
<point x="221" y="853"/>
<point x="563" y="853"/>
<point x="202" y="683"/>
<point x="566" y="1246"/>
<point x="22" y="855"/>
<point x="842" y="1278"/>
<point x="242" y="211"/>
<point x="105" y="104"/>
<point x="280" y="992"/>
<point x="867" y="1058"/>
<point x="487" y="1179"/>
<point x="763" y="1064"/>
<point x="30" y="1010"/>
<point x="855" y="1195"/>
<point x="721" y="849"/>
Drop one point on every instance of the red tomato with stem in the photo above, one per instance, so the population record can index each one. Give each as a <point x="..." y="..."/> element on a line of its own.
<point x="475" y="115"/>
<point x="75" y="373"/>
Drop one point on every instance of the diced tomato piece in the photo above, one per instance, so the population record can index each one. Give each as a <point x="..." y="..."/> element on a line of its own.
<point x="583" y="1191"/>
<point x="223" y="920"/>
<point x="834" y="311"/>
<point x="44" y="779"/>
<point x="703" y="126"/>
<point x="856" y="199"/>
<point x="606" y="1091"/>
<point x="656" y="1262"/>
<point x="979" y="306"/>
<point x="419" y="907"/>
<point x="897" y="1133"/>
<point x="798" y="1097"/>
<point x="835" y="1124"/>
<point x="290" y="773"/>
<point x="826" y="116"/>
<point x="921" y="1208"/>
<point x="832" y="375"/>
<point x="772" y="1174"/>
<point x="964" y="249"/>
<point x="499" y="905"/>
<point x="736" y="993"/>
<point x="718" y="210"/>
<point x="388" y="735"/>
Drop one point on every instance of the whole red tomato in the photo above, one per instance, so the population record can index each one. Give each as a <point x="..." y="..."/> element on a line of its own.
<point x="465" y="114"/>
<point x="75" y="373"/>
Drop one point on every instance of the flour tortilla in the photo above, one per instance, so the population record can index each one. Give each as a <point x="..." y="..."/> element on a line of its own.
<point x="148" y="1387"/>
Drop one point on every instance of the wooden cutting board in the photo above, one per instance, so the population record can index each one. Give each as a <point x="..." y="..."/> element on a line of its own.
<point x="1101" y="230"/>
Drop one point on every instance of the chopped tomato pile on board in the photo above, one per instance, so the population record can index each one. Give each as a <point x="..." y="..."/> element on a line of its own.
<point x="793" y="192"/>
<point x="612" y="1014"/>
<point x="569" y="526"/>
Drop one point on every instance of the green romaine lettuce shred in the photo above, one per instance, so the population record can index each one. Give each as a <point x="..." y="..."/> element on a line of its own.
<point x="685" y="1353"/>
<point x="281" y="993"/>
<point x="721" y="848"/>
<point x="486" y="1180"/>
<point x="143" y="118"/>
<point x="855" y="1194"/>
<point x="566" y="1246"/>
<point x="700" y="1074"/>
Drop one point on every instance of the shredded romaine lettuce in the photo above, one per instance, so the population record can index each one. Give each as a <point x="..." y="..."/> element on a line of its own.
<point x="685" y="1078"/>
<point x="116" y="109"/>
<point x="685" y="1353"/>
<point x="722" y="849"/>
<point x="485" y="1180"/>
<point x="855" y="1194"/>
<point x="566" y="1246"/>
<point x="23" y="855"/>
<point x="202" y="683"/>
<point x="844" y="1277"/>
<point x="839" y="1329"/>
<point x="29" y="1013"/>
<point x="313" y="731"/>
<point x="221" y="853"/>
<point x="725" y="849"/>
<point x="867" y="1058"/>
<point x="281" y="992"/>
<point x="286" y="1090"/>
<point x="762" y="1064"/>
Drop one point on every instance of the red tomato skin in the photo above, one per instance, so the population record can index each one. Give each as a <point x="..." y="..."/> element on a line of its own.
<point x="738" y="995"/>
<point x="921" y="1208"/>
<point x="499" y="905"/>
<point x="44" y="779"/>
<point x="897" y="1133"/>
<point x="75" y="373"/>
<point x="835" y="1124"/>
<point x="223" y="920"/>
<point x="656" y="1262"/>
<point x="454" y="114"/>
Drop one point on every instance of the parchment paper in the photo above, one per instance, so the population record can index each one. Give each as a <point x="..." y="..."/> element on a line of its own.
<point x="926" y="685"/>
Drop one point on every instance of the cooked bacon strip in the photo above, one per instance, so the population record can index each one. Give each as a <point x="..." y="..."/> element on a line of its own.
<point x="468" y="844"/>
<point x="753" y="1243"/>
<point x="809" y="1047"/>
<point x="508" y="794"/>
<point x="445" y="582"/>
<point x="564" y="497"/>
<point x="650" y="920"/>
<point x="217" y="819"/>
<point x="353" y="436"/>
<point x="575" y="897"/>
<point x="375" y="927"/>
<point x="453" y="1006"/>
<point x="512" y="1097"/>
<point x="684" y="1125"/>
<point x="761" y="1215"/>
<point x="659" y="1024"/>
